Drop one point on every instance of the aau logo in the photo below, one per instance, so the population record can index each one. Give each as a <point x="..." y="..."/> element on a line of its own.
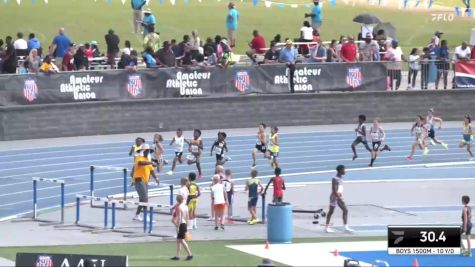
<point x="242" y="81"/>
<point x="354" y="78"/>
<point x="44" y="261"/>
<point x="30" y="90"/>
<point x="134" y="85"/>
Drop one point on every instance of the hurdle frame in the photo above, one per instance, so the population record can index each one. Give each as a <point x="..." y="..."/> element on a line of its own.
<point x="92" y="168"/>
<point x="77" y="222"/>
<point x="34" y="217"/>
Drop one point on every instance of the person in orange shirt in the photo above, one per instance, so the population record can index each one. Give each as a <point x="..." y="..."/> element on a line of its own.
<point x="143" y="168"/>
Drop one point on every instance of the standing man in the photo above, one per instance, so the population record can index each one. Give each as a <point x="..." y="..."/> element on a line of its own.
<point x="137" y="13"/>
<point x="20" y="43"/>
<point x="349" y="50"/>
<point x="316" y="16"/>
<point x="148" y="22"/>
<point x="288" y="55"/>
<point x="59" y="47"/>
<point x="112" y="41"/>
<point x="143" y="168"/>
<point x="336" y="198"/>
<point x="232" y="24"/>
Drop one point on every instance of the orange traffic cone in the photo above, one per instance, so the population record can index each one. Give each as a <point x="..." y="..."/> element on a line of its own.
<point x="415" y="263"/>
<point x="335" y="253"/>
<point x="267" y="244"/>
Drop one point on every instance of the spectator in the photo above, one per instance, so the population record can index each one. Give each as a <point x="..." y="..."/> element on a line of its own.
<point x="232" y="24"/>
<point x="152" y="40"/>
<point x="306" y="32"/>
<point x="60" y="46"/>
<point x="425" y="62"/>
<point x="272" y="55"/>
<point x="34" y="43"/>
<point x="95" y="49"/>
<point x="288" y="55"/>
<point x="436" y="38"/>
<point x="88" y="50"/>
<point x="413" y="68"/>
<point x="148" y="22"/>
<point x="316" y="15"/>
<point x="432" y="45"/>
<point x="20" y="43"/>
<point x="383" y="48"/>
<point x="187" y="58"/>
<point x="209" y="43"/>
<point x="375" y="51"/>
<point x="166" y="56"/>
<point x="1" y="48"/>
<point x="48" y="67"/>
<point x="395" y="55"/>
<point x="318" y="53"/>
<point x="443" y="63"/>
<point x="34" y="61"/>
<point x="128" y="48"/>
<point x="380" y="35"/>
<point x="181" y="46"/>
<point x="68" y="60"/>
<point x="472" y="53"/>
<point x="332" y="55"/>
<point x="81" y="62"/>
<point x="137" y="6"/>
<point x="9" y="57"/>
<point x="150" y="61"/>
<point x="212" y="57"/>
<point x="343" y="40"/>
<point x="129" y="62"/>
<point x="462" y="52"/>
<point x="277" y="38"/>
<point x="23" y="69"/>
<point x="349" y="50"/>
<point x="195" y="43"/>
<point x="112" y="41"/>
<point x="224" y="53"/>
<point x="175" y="48"/>
<point x="368" y="48"/>
<point x="217" y="41"/>
<point x="257" y="45"/>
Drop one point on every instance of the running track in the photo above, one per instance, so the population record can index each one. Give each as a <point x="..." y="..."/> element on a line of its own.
<point x="305" y="157"/>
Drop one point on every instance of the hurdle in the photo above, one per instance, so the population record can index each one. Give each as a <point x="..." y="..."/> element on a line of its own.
<point x="148" y="212"/>
<point x="35" y="201"/>
<point x="92" y="170"/>
<point x="77" y="222"/>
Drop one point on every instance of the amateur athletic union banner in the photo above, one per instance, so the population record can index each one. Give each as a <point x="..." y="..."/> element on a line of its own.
<point x="67" y="87"/>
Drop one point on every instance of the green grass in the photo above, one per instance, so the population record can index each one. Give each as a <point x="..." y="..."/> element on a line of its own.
<point x="207" y="253"/>
<point x="86" y="20"/>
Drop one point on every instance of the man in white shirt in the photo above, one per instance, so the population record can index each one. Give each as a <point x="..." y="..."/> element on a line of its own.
<point x="395" y="55"/>
<point x="462" y="52"/>
<point x="20" y="43"/>
<point x="220" y="200"/>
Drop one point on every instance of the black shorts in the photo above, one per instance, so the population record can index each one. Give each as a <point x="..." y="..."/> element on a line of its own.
<point x="230" y="197"/>
<point x="178" y="154"/>
<point x="360" y="139"/>
<point x="376" y="145"/>
<point x="252" y="202"/>
<point x="181" y="231"/>
<point x="219" y="157"/>
<point x="469" y="229"/>
<point x="275" y="155"/>
<point x="261" y="148"/>
<point x="431" y="133"/>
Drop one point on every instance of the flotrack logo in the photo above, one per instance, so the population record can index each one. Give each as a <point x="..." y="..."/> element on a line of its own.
<point x="301" y="78"/>
<point x="188" y="83"/>
<point x="81" y="86"/>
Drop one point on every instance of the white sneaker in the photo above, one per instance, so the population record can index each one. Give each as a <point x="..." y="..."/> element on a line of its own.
<point x="138" y="218"/>
<point x="470" y="159"/>
<point x="348" y="229"/>
<point x="170" y="173"/>
<point x="329" y="230"/>
<point x="226" y="158"/>
<point x="210" y="219"/>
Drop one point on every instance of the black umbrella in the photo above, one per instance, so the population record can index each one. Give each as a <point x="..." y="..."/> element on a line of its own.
<point x="389" y="29"/>
<point x="367" y="19"/>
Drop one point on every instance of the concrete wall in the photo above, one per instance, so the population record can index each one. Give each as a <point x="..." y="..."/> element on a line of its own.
<point x="93" y="118"/>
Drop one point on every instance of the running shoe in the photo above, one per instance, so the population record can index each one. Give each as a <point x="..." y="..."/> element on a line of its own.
<point x="216" y="228"/>
<point x="444" y="145"/>
<point x="470" y="159"/>
<point x="210" y="219"/>
<point x="256" y="220"/>
<point x="170" y="173"/>
<point x="222" y="226"/>
<point x="226" y="159"/>
<point x="408" y="158"/>
<point x="165" y="162"/>
<point x="425" y="151"/>
<point x="355" y="157"/>
<point x="200" y="176"/>
<point x="253" y="166"/>
<point x="467" y="254"/>
<point x="250" y="220"/>
<point x="189" y="157"/>
<point x="231" y="222"/>
<point x="329" y="230"/>
<point x="432" y="142"/>
<point x="348" y="229"/>
<point x="138" y="218"/>
<point x="175" y="258"/>
<point x="189" y="258"/>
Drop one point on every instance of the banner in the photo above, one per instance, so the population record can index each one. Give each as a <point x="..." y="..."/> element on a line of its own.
<point x="69" y="260"/>
<point x="66" y="87"/>
<point x="465" y="74"/>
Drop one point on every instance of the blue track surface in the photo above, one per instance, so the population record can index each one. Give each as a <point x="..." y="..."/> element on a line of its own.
<point x="407" y="261"/>
<point x="300" y="153"/>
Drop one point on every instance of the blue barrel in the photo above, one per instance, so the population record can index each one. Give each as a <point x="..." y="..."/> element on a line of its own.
<point x="279" y="223"/>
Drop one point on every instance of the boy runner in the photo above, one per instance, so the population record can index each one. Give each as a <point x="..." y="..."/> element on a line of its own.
<point x="360" y="136"/>
<point x="260" y="144"/>
<point x="219" y="147"/>
<point x="180" y="223"/>
<point x="195" y="148"/>
<point x="336" y="198"/>
<point x="219" y="201"/>
<point x="179" y="142"/>
<point x="279" y="186"/>
<point x="252" y="186"/>
<point x="195" y="193"/>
